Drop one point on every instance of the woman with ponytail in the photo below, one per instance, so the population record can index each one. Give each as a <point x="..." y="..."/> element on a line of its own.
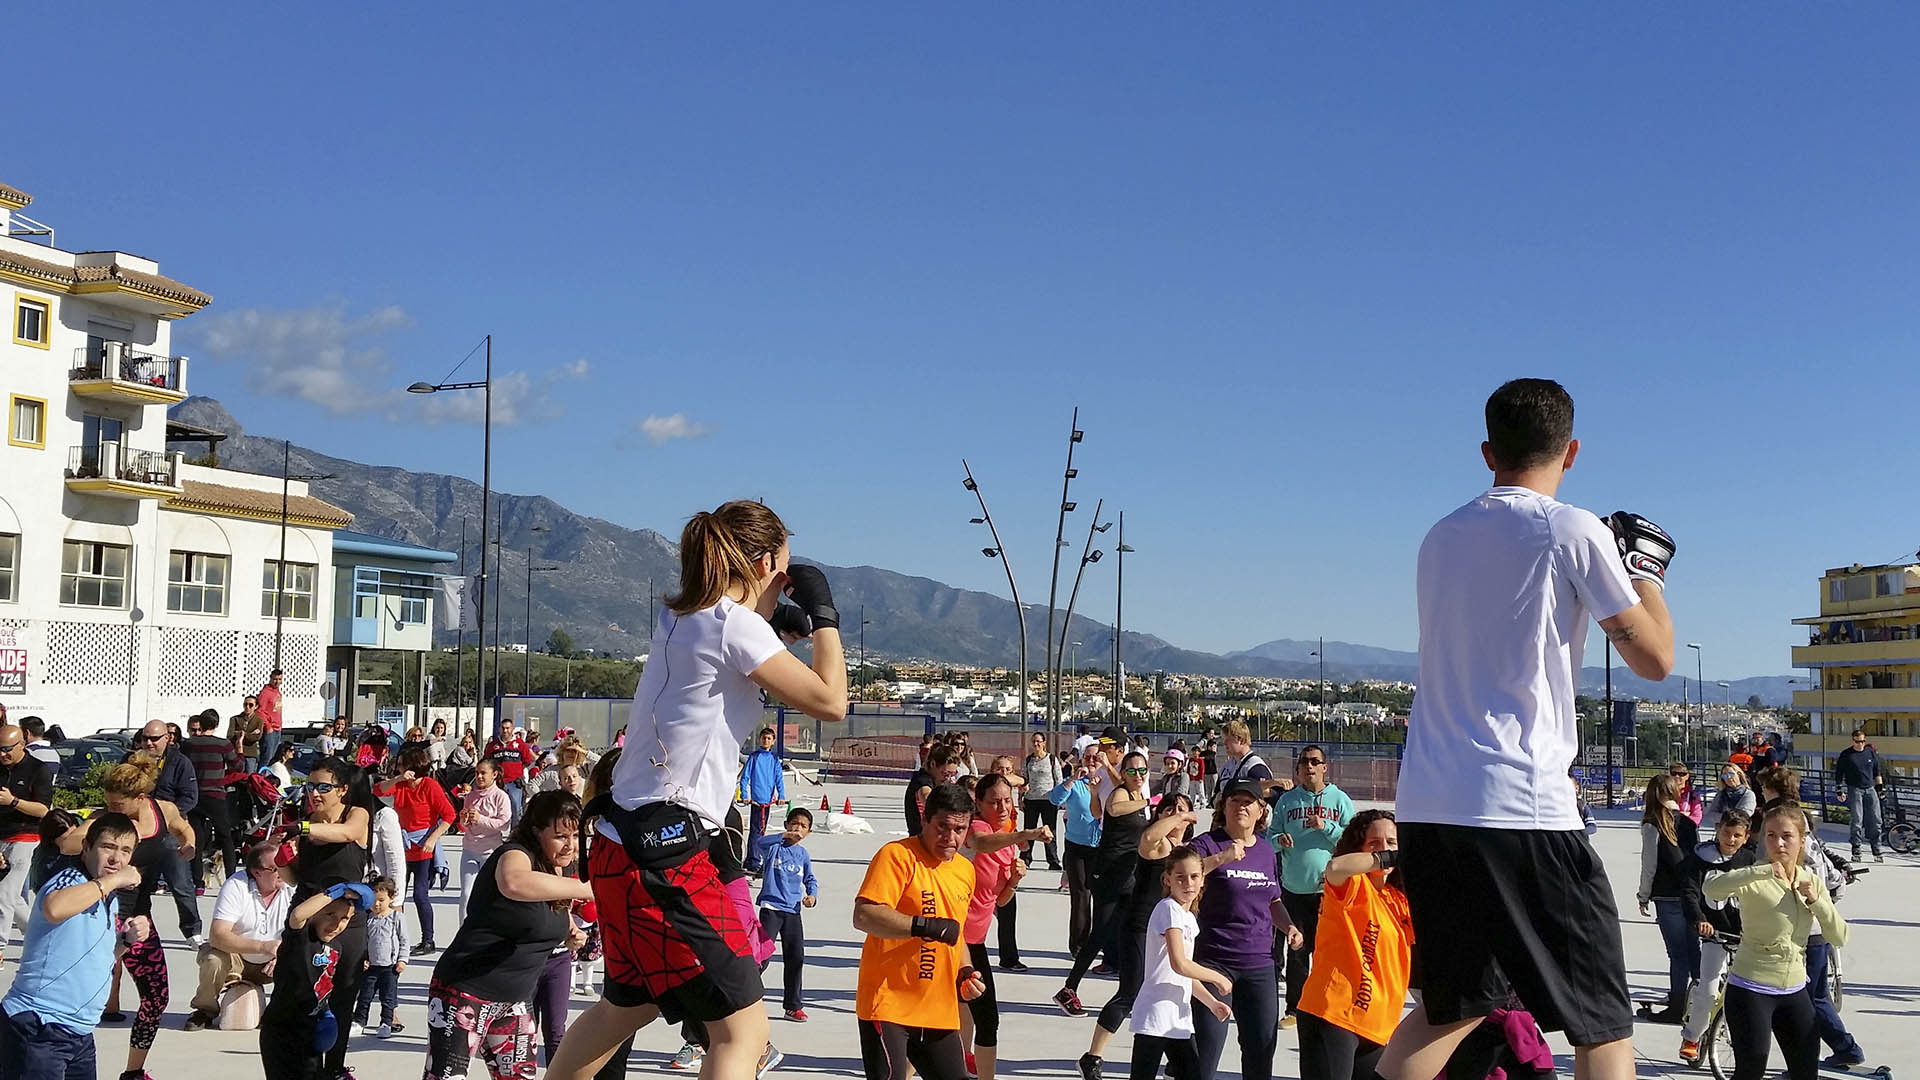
<point x="674" y="944"/>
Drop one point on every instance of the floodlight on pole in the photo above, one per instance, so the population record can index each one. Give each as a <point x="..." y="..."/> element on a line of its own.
<point x="999" y="551"/>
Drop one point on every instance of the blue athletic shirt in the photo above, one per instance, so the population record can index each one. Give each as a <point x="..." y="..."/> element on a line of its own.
<point x="66" y="967"/>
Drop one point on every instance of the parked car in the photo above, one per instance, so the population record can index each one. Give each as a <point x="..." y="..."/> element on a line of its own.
<point x="123" y="736"/>
<point x="79" y="755"/>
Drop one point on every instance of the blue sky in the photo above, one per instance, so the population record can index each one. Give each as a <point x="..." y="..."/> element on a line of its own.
<point x="1278" y="255"/>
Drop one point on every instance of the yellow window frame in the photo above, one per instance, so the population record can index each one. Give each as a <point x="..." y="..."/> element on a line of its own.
<point x="13" y="403"/>
<point x="46" y="320"/>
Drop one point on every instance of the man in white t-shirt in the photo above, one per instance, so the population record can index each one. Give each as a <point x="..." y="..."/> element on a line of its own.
<point x="1505" y="890"/>
<point x="249" y="917"/>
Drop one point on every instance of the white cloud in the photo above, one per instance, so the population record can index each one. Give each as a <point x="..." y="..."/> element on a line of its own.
<point x="576" y="370"/>
<point x="318" y="355"/>
<point x="661" y="430"/>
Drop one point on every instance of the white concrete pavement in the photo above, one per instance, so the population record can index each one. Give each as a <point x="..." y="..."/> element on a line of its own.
<point x="1882" y="984"/>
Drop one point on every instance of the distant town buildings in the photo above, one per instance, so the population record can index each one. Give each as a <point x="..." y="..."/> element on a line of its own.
<point x="1863" y="661"/>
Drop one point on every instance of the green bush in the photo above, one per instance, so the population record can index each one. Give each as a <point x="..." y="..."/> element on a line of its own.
<point x="89" y="795"/>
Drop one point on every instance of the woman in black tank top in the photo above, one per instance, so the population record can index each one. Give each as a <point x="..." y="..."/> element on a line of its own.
<point x="332" y="847"/>
<point x="1173" y="822"/>
<point x="163" y="831"/>
<point x="1114" y="862"/>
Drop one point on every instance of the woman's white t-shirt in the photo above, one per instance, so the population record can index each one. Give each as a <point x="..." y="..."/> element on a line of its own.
<point x="693" y="708"/>
<point x="1164" y="1006"/>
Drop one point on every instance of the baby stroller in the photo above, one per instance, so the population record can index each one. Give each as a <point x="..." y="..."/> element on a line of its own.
<point x="254" y="801"/>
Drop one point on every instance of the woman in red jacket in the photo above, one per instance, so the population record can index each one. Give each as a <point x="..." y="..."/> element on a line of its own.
<point x="425" y="815"/>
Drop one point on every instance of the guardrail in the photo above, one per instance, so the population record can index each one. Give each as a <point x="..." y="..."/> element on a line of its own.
<point x="116" y="361"/>
<point x="116" y="461"/>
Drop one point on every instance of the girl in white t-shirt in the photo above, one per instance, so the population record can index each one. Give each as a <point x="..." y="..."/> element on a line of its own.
<point x="1162" y="1018"/>
<point x="671" y="942"/>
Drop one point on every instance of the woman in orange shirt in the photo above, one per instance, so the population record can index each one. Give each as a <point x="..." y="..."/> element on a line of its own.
<point x="1361" y="957"/>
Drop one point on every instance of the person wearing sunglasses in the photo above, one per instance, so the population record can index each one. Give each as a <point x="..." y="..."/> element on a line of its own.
<point x="26" y="792"/>
<point x="333" y="844"/>
<point x="1859" y="771"/>
<point x="1307" y="825"/>
<point x="178" y="784"/>
<point x="1734" y="794"/>
<point x="1691" y="804"/>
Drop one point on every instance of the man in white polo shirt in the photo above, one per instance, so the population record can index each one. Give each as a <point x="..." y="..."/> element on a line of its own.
<point x="249" y="917"/>
<point x="1505" y="890"/>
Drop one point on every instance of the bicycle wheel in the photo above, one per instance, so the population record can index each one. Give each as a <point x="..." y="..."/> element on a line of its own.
<point x="1716" y="1046"/>
<point x="1901" y="838"/>
<point x="1834" y="983"/>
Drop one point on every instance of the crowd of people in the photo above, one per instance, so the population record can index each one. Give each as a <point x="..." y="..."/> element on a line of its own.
<point x="1228" y="900"/>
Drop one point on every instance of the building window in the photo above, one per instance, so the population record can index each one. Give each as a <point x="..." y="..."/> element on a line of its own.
<point x="296" y="599"/>
<point x="413" y="610"/>
<point x="94" y="575"/>
<point x="196" y="583"/>
<point x="1890" y="584"/>
<point x="27" y="422"/>
<point x="9" y="566"/>
<point x="32" y="322"/>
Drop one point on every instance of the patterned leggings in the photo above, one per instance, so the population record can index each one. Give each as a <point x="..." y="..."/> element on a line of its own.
<point x="460" y="1026"/>
<point x="146" y="963"/>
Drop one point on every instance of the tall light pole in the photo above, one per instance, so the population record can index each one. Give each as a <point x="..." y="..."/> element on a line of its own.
<point x="999" y="551"/>
<point x="863" y="641"/>
<point x="499" y="575"/>
<point x="1320" y="721"/>
<point x="1087" y="556"/>
<point x="526" y="678"/>
<point x="1053" y="589"/>
<point x="1699" y="683"/>
<point x="1120" y="551"/>
<point x="485" y="386"/>
<point x="460" y="636"/>
<point x="287" y="477"/>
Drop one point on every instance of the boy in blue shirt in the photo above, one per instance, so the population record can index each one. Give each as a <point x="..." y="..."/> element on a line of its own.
<point x="762" y="782"/>
<point x="787" y="886"/>
<point x="66" y="962"/>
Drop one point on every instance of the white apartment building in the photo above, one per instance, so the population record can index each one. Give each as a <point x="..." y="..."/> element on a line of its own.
<point x="134" y="586"/>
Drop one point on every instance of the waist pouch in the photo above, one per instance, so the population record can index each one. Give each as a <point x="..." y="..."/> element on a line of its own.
<point x="656" y="836"/>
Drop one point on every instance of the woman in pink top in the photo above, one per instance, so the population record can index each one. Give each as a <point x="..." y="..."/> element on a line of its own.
<point x="997" y="870"/>
<point x="483" y="825"/>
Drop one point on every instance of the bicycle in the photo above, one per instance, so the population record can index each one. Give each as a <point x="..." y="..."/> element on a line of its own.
<point x="1895" y="831"/>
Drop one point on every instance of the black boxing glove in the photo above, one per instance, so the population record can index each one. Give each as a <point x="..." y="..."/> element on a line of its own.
<point x="934" y="928"/>
<point x="1645" y="548"/>
<point x="809" y="589"/>
<point x="788" y="619"/>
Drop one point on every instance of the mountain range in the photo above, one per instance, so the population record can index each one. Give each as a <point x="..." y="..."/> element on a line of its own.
<point x="607" y="579"/>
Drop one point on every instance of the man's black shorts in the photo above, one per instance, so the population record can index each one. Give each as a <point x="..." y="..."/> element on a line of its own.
<point x="1530" y="910"/>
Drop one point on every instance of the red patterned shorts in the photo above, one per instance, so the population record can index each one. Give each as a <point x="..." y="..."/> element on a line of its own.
<point x="674" y="938"/>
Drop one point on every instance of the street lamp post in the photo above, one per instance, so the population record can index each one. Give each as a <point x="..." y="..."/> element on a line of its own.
<point x="999" y="551"/>
<point x="1320" y="721"/>
<point x="1120" y="552"/>
<point x="485" y="386"/>
<point x="1053" y="589"/>
<point x="1728" y="687"/>
<point x="526" y="678"/>
<point x="863" y="640"/>
<point x="1699" y="684"/>
<point x="287" y="476"/>
<point x="1087" y="556"/>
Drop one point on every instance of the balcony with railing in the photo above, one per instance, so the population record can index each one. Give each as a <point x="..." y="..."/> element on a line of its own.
<point x="114" y="469"/>
<point x="117" y="371"/>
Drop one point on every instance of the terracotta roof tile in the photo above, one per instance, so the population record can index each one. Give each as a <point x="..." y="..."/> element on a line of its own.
<point x="199" y="494"/>
<point x="67" y="277"/>
<point x="14" y="195"/>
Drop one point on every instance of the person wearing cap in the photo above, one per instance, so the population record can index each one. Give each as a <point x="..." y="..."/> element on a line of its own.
<point x="1173" y="776"/>
<point x="1241" y="909"/>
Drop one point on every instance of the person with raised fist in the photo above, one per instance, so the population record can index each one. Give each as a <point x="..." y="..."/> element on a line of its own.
<point x="1498" y="871"/>
<point x="914" y="973"/>
<point x="675" y="942"/>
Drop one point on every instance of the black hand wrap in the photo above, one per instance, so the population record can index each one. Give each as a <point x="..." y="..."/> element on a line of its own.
<point x="788" y="619"/>
<point x="809" y="589"/>
<point x="934" y="928"/>
<point x="1385" y="860"/>
<point x="1645" y="548"/>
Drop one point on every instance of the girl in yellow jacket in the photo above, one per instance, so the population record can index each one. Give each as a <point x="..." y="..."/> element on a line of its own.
<point x="1780" y="902"/>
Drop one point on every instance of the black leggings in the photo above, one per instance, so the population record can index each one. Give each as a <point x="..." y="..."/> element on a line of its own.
<point x="888" y="1050"/>
<point x="1304" y="909"/>
<point x="420" y="874"/>
<point x="1107" y="910"/>
<point x="1330" y="1052"/>
<point x="1007" y="916"/>
<point x="351" y="947"/>
<point x="1078" y="869"/>
<point x="1753" y="1019"/>
<point x="1183" y="1063"/>
<point x="986" y="1007"/>
<point x="1130" y="957"/>
<point x="1043" y="812"/>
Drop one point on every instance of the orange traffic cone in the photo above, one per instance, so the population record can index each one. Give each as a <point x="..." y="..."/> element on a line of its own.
<point x="849" y="807"/>
<point x="825" y="806"/>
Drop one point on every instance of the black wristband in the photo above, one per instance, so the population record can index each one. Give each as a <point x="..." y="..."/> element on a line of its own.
<point x="825" y="617"/>
<point x="920" y="927"/>
<point x="1385" y="860"/>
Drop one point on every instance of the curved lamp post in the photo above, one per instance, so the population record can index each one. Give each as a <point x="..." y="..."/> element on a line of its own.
<point x="999" y="551"/>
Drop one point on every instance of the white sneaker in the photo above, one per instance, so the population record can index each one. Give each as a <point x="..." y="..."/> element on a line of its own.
<point x="197" y="940"/>
<point x="385" y="1032"/>
<point x="368" y="1029"/>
